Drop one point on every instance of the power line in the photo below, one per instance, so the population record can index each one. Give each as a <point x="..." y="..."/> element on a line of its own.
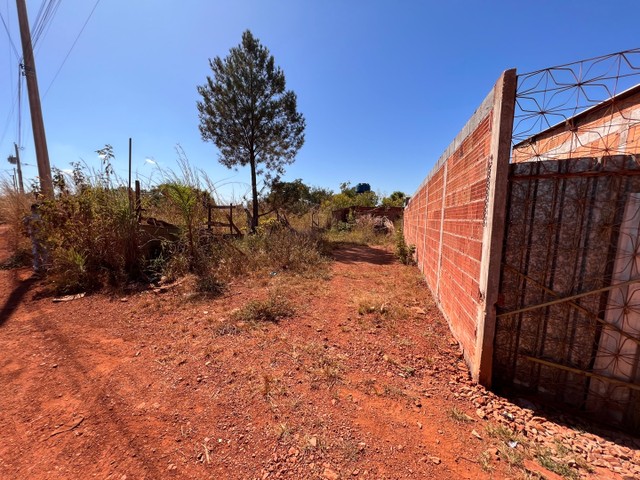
<point x="8" y="121"/>
<point x="72" y="46"/>
<point x="44" y="19"/>
<point x="6" y="28"/>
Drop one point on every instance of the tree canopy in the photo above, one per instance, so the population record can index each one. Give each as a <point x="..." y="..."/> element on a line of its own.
<point x="296" y="197"/>
<point x="249" y="115"/>
<point x="349" y="197"/>
<point x="396" y="199"/>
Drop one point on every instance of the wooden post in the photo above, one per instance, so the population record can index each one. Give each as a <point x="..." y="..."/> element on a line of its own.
<point x="209" y="216"/>
<point x="231" y="219"/>
<point x="138" y="202"/>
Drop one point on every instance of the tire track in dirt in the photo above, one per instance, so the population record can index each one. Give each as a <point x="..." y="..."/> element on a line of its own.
<point x="51" y="359"/>
<point x="103" y="408"/>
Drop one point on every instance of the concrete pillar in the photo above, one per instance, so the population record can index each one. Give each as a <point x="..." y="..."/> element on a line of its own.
<point x="494" y="227"/>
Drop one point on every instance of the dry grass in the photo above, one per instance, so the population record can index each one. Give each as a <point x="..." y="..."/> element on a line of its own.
<point x="14" y="206"/>
<point x="273" y="309"/>
<point x="459" y="416"/>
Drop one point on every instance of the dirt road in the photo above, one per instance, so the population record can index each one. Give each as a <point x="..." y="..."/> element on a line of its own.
<point x="363" y="381"/>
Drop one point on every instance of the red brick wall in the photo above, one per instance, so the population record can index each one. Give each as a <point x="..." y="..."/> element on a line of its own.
<point x="452" y="269"/>
<point x="445" y="220"/>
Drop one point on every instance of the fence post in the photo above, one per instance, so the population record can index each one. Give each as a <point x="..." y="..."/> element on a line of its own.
<point x="138" y="202"/>
<point x="494" y="228"/>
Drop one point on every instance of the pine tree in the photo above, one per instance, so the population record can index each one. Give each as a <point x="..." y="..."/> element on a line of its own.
<point x="249" y="115"/>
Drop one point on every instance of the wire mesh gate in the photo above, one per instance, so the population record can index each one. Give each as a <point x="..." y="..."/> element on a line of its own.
<point x="568" y="323"/>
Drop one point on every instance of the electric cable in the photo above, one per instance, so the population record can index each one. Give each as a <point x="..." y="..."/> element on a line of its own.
<point x="6" y="28"/>
<point x="71" y="49"/>
<point x="44" y="21"/>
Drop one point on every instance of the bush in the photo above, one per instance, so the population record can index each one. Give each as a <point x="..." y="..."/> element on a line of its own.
<point x="404" y="252"/>
<point x="70" y="273"/>
<point x="91" y="237"/>
<point x="274" y="247"/>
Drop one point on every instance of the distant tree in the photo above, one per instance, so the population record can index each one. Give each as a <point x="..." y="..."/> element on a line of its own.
<point x="348" y="197"/>
<point x="318" y="195"/>
<point x="296" y="197"/>
<point x="396" y="199"/>
<point x="289" y="196"/>
<point x="249" y="115"/>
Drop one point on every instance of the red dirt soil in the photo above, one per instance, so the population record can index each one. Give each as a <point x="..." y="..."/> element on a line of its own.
<point x="363" y="381"/>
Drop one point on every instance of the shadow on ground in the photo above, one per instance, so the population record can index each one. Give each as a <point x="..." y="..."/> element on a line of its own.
<point x="14" y="298"/>
<point x="354" y="253"/>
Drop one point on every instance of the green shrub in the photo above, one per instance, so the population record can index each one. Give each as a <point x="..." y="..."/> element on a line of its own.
<point x="70" y="273"/>
<point x="404" y="252"/>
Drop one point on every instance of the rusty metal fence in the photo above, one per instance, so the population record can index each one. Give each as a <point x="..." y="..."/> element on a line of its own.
<point x="568" y="316"/>
<point x="568" y="322"/>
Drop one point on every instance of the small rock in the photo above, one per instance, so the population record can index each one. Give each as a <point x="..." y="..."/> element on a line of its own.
<point x="435" y="460"/>
<point x="330" y="474"/>
<point x="476" y="434"/>
<point x="313" y="441"/>
<point x="480" y="413"/>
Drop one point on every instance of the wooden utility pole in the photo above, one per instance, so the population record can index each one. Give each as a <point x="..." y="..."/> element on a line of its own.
<point x="29" y="71"/>
<point x="19" y="168"/>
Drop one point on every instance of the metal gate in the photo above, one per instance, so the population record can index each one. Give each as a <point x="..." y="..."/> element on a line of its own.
<point x="568" y="322"/>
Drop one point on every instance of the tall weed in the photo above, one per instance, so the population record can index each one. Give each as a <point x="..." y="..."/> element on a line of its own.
<point x="90" y="232"/>
<point x="14" y="206"/>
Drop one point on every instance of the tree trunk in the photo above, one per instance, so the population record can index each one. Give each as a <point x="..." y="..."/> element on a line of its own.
<point x="254" y="191"/>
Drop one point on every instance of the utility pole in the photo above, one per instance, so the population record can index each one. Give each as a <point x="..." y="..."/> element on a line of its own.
<point x="19" y="168"/>
<point x="29" y="71"/>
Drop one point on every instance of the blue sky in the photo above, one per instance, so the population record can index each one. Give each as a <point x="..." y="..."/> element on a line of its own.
<point x="384" y="85"/>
